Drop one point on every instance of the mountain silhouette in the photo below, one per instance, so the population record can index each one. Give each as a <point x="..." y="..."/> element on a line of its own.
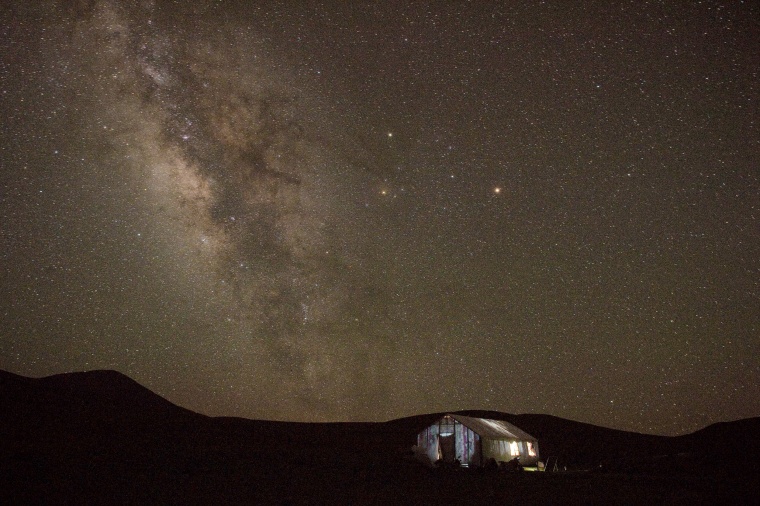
<point x="101" y="437"/>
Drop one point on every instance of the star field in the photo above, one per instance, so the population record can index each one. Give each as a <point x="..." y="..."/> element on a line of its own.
<point x="362" y="211"/>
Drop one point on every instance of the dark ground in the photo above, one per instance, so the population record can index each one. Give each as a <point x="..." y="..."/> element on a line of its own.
<point x="101" y="438"/>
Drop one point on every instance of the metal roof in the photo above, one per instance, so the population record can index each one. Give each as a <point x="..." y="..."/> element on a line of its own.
<point x="493" y="429"/>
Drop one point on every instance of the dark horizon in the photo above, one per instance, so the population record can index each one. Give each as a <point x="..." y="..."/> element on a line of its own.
<point x="91" y="438"/>
<point x="107" y="382"/>
<point x="358" y="212"/>
<point x="105" y="388"/>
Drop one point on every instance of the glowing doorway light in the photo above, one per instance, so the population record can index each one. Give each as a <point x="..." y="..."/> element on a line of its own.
<point x="514" y="450"/>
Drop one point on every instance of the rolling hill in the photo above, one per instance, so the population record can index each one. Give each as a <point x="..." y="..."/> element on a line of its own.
<point x="100" y="437"/>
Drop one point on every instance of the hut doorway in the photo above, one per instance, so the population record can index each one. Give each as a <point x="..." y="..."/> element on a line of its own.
<point x="447" y="447"/>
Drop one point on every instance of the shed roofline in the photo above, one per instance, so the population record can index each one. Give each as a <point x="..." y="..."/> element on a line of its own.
<point x="493" y="429"/>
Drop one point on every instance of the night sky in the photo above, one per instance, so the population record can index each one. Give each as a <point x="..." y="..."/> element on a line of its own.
<point x="365" y="211"/>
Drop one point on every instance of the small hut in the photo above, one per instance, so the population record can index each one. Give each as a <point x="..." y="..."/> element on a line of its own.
<point x="473" y="441"/>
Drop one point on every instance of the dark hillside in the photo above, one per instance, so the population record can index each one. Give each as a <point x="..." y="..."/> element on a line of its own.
<point x="100" y="437"/>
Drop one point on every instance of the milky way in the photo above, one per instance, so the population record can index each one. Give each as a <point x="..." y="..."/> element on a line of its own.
<point x="363" y="211"/>
<point x="239" y="186"/>
<point x="249" y="185"/>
